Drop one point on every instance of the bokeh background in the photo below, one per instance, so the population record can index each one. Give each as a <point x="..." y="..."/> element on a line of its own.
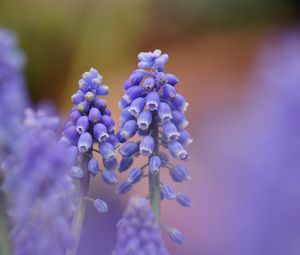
<point x="239" y="66"/>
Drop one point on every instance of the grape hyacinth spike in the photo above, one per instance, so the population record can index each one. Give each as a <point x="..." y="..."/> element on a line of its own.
<point x="39" y="189"/>
<point x="153" y="109"/>
<point x="90" y="130"/>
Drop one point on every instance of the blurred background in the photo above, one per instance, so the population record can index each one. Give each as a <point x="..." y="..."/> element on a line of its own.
<point x="239" y="66"/>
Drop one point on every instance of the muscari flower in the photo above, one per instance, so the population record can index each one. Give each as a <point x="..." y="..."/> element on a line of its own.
<point x="153" y="109"/>
<point x="138" y="231"/>
<point x="91" y="124"/>
<point x="40" y="190"/>
<point x="12" y="89"/>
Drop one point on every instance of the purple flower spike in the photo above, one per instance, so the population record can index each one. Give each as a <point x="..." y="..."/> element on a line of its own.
<point x="91" y="122"/>
<point x="153" y="120"/>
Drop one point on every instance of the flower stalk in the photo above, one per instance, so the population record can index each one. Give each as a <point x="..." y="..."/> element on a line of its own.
<point x="4" y="242"/>
<point x="79" y="213"/>
<point x="154" y="178"/>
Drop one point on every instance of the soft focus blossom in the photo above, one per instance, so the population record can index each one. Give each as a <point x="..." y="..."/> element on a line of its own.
<point x="13" y="96"/>
<point x="39" y="190"/>
<point x="138" y="231"/>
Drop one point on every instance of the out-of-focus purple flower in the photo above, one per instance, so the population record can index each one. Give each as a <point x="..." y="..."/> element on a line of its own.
<point x="13" y="97"/>
<point x="250" y="157"/>
<point x="40" y="191"/>
<point x="12" y="59"/>
<point x="138" y="231"/>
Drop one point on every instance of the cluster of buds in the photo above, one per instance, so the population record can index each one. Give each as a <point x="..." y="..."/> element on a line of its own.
<point x="91" y="123"/>
<point x="153" y="109"/>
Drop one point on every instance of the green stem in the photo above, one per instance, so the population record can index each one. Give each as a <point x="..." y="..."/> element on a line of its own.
<point x="154" y="178"/>
<point x="4" y="241"/>
<point x="79" y="213"/>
